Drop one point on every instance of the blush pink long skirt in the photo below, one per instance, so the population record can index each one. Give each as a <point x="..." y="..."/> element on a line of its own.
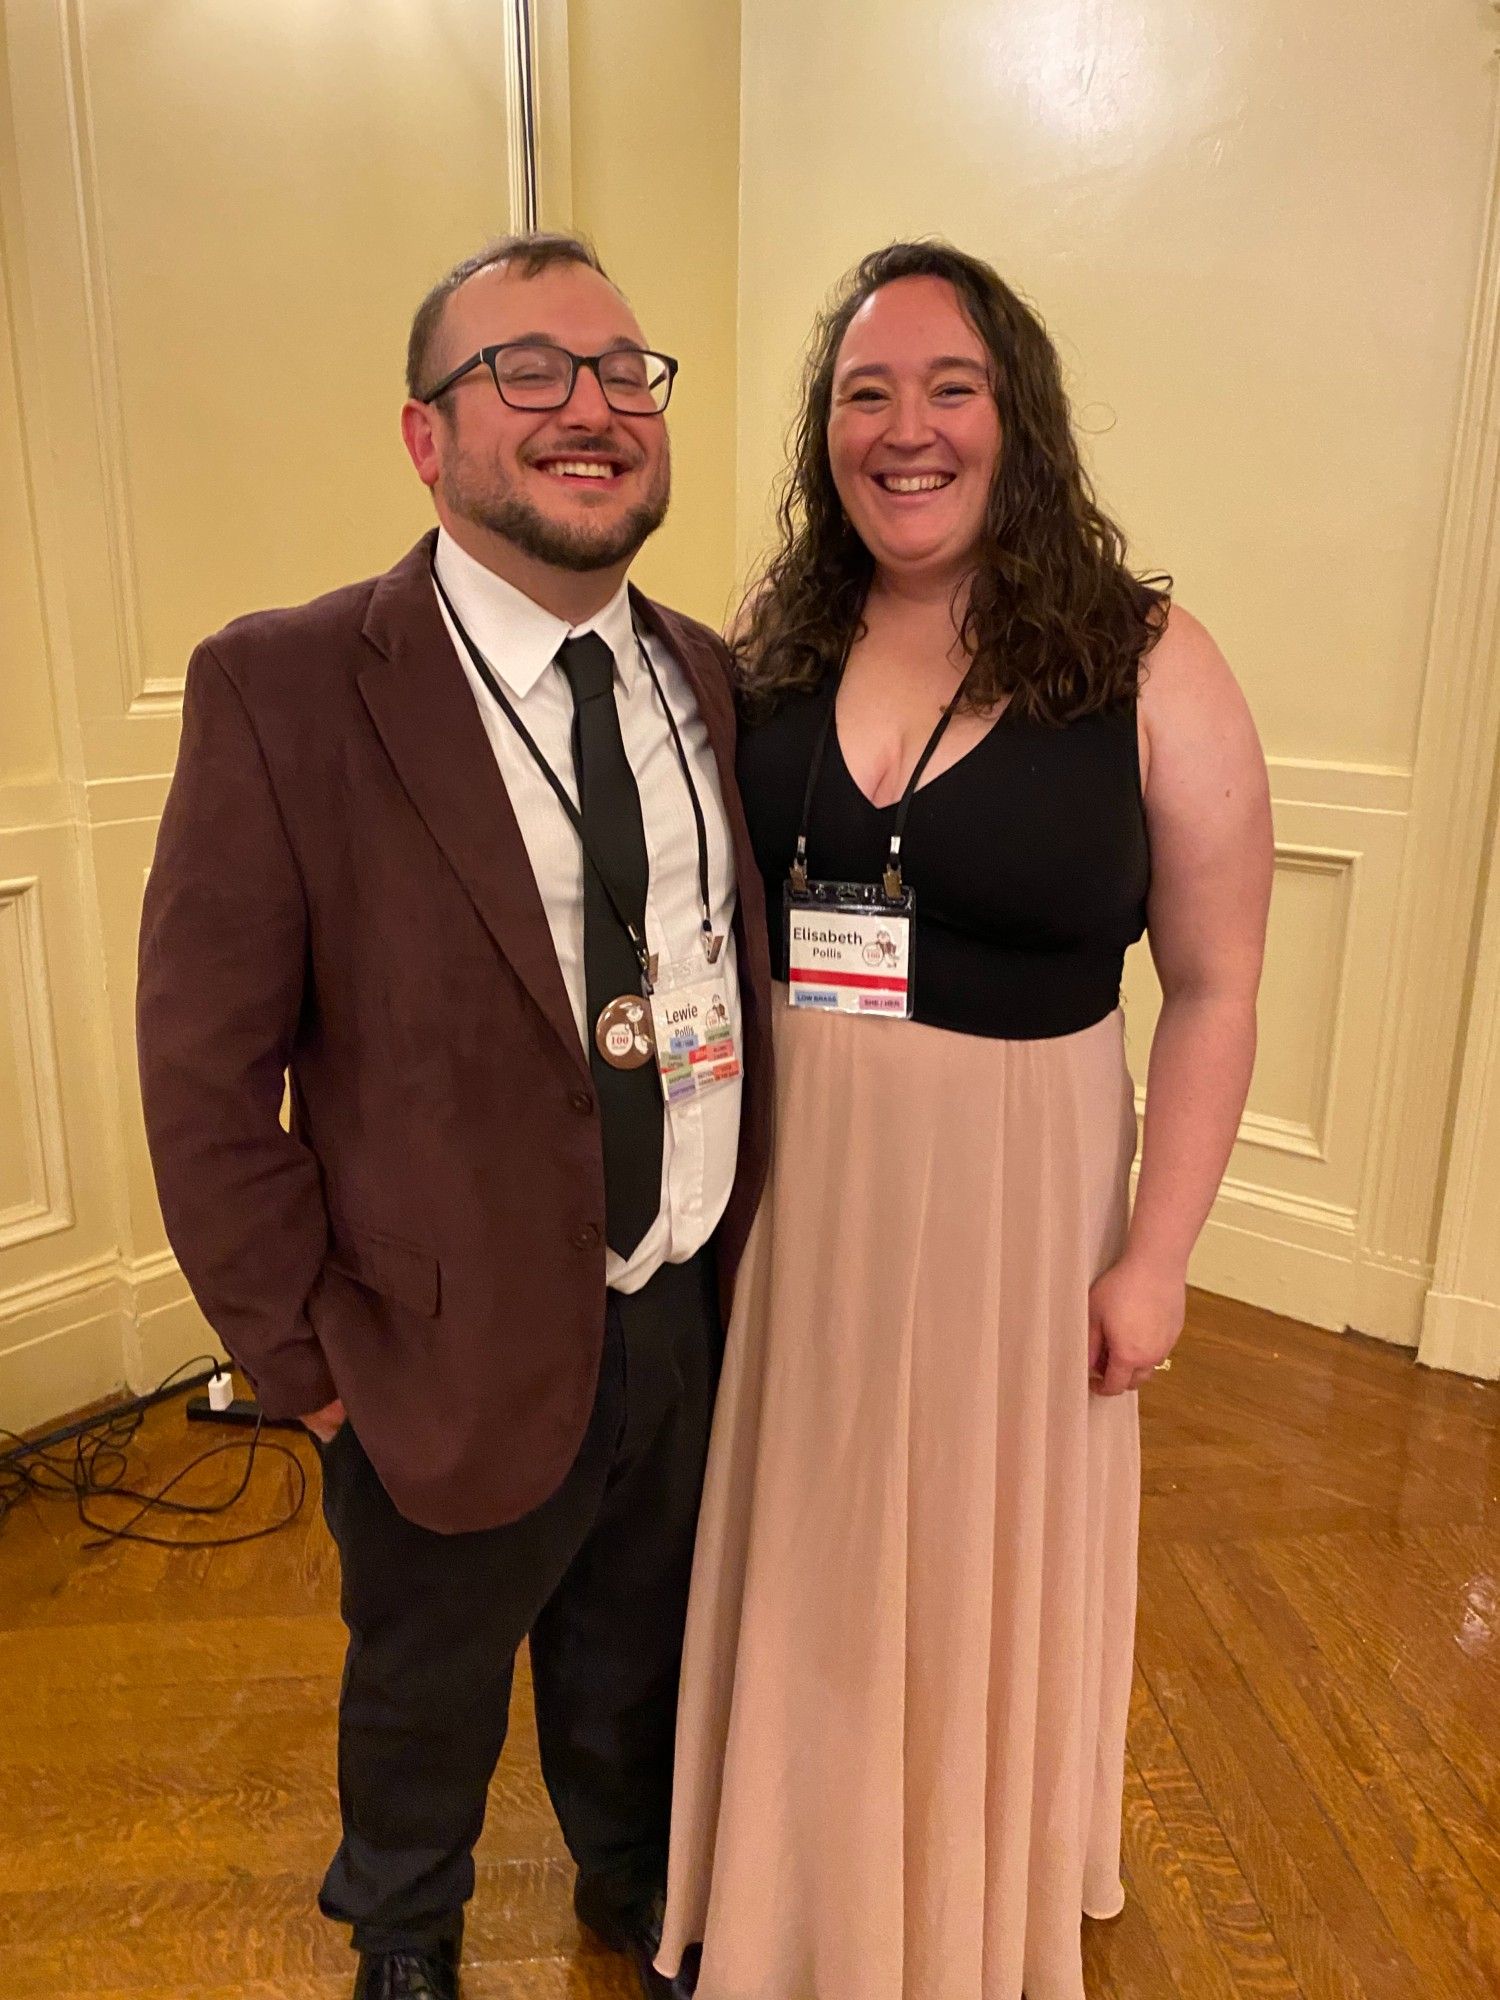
<point x="900" y="1750"/>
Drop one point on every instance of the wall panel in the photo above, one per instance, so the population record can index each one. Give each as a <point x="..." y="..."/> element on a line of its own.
<point x="35" y="1195"/>
<point x="58" y="1254"/>
<point x="28" y="741"/>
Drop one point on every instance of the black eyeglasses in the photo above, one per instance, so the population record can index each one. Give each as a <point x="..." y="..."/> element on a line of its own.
<point x="535" y="375"/>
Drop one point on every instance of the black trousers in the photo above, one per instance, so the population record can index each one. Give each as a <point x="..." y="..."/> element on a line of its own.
<point x="597" y="1575"/>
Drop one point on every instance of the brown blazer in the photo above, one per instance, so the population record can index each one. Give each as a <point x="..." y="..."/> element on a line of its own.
<point x="341" y="892"/>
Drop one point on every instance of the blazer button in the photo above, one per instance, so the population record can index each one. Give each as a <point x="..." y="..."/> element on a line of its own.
<point x="586" y="1235"/>
<point x="581" y="1099"/>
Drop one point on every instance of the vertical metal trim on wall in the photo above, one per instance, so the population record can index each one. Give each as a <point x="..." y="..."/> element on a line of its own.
<point x="520" y="92"/>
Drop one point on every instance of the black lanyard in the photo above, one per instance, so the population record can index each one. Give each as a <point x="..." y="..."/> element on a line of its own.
<point x="891" y="880"/>
<point x="634" y="931"/>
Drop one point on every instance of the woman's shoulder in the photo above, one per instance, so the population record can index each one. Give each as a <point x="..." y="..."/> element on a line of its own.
<point x="1184" y="668"/>
<point x="1194" y="719"/>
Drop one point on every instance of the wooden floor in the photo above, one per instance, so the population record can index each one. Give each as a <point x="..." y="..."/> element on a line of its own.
<point x="1312" y="1803"/>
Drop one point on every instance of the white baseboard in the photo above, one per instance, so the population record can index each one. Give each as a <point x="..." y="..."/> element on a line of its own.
<point x="1272" y="1250"/>
<point x="160" y="1342"/>
<point x="1462" y="1334"/>
<point x="1302" y="1258"/>
<point x="105" y="1326"/>
<point x="46" y="1376"/>
<point x="1388" y="1300"/>
<point x="1279" y="1276"/>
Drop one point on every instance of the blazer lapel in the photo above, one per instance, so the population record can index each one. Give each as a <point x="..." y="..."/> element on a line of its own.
<point x="423" y="709"/>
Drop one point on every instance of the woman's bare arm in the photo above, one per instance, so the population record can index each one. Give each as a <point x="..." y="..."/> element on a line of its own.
<point x="1208" y="813"/>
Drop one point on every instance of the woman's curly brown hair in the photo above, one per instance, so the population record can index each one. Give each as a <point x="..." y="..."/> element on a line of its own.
<point x="1055" y="620"/>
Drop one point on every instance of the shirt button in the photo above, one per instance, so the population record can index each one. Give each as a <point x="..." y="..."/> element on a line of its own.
<point x="581" y="1100"/>
<point x="586" y="1235"/>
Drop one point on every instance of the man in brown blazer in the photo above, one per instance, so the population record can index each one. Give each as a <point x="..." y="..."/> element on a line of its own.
<point x="458" y="850"/>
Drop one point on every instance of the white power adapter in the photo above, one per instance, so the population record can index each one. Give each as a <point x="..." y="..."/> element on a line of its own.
<point x="220" y="1389"/>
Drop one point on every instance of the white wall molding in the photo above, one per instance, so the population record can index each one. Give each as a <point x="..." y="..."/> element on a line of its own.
<point x="1258" y="1128"/>
<point x="49" y="1301"/>
<point x="142" y="693"/>
<point x="26" y="1000"/>
<point x="1461" y="1324"/>
<point x="1300" y="1258"/>
<point x="1389" y="1296"/>
<point x="1264" y="1268"/>
<point x="54" y="1331"/>
<point x="31" y="808"/>
<point x="123" y="801"/>
<point x="48" y="1376"/>
<point x="1451" y="784"/>
<point x="1461" y="1334"/>
<point x="1306" y="1137"/>
<point x="1324" y="781"/>
<point x="1287" y="1253"/>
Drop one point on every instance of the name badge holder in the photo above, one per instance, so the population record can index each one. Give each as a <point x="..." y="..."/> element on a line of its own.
<point x="851" y="946"/>
<point x="682" y="1021"/>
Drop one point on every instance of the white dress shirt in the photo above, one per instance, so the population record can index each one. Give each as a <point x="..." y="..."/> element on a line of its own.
<point x="520" y="640"/>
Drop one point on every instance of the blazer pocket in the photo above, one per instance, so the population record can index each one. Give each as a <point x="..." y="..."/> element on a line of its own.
<point x="397" y="1271"/>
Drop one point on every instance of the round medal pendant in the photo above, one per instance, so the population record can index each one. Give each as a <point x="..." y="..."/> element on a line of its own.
<point x="623" y="1032"/>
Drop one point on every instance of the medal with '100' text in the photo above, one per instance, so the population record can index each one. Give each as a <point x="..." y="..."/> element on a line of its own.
<point x="622" y="1033"/>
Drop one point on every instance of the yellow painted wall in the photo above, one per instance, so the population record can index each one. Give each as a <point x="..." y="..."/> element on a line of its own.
<point x="1255" y="229"/>
<point x="655" y="158"/>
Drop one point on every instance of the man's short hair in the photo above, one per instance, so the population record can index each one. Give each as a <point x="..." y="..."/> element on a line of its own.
<point x="532" y="254"/>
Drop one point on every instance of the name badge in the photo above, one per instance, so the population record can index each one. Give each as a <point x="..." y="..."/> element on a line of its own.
<point x="849" y="949"/>
<point x="694" y="1031"/>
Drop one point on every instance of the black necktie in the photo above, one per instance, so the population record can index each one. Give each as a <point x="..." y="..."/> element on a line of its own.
<point x="609" y="802"/>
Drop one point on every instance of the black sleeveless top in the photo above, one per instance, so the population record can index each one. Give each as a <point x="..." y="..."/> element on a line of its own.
<point x="1028" y="856"/>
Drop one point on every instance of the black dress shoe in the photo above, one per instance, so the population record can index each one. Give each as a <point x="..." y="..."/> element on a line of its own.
<point x="635" y="1929"/>
<point x="430" y="1973"/>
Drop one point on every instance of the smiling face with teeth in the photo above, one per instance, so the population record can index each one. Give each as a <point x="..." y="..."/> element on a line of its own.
<point x="914" y="431"/>
<point x="541" y="497"/>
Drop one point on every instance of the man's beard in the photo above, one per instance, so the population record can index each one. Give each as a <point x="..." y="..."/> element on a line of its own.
<point x="575" y="546"/>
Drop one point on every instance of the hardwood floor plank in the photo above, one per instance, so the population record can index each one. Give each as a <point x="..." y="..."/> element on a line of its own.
<point x="1364" y="1583"/>
<point x="1327" y="1924"/>
<point x="1121" y="1958"/>
<point x="1203" y="1864"/>
<point x="1387" y="1865"/>
<point x="1170" y="1900"/>
<point x="1400" y="1726"/>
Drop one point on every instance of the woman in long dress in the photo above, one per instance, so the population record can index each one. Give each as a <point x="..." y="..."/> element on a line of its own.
<point x="902" y="1725"/>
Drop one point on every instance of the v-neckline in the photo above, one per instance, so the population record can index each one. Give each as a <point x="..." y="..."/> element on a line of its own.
<point x="927" y="783"/>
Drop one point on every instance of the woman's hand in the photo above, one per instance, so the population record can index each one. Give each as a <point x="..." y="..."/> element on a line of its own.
<point x="1136" y="1312"/>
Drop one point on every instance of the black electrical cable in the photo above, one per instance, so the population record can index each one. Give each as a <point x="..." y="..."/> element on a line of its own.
<point x="96" y="1467"/>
